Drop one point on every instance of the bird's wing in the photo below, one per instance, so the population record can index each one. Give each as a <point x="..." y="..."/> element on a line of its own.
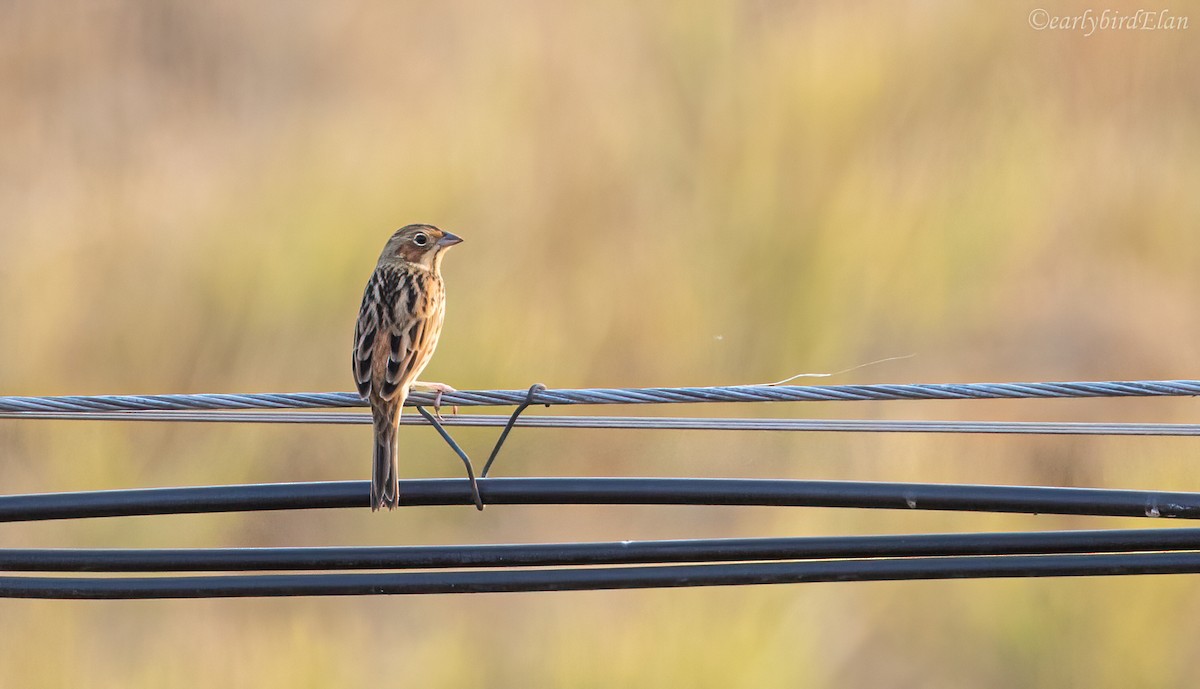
<point x="375" y="317"/>
<point x="409" y="349"/>
<point x="390" y="334"/>
<point x="365" y="330"/>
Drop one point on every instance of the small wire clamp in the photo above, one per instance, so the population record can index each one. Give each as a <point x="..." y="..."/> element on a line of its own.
<point x="529" y="399"/>
<point x="433" y="420"/>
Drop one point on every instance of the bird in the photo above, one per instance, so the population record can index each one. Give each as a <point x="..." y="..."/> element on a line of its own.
<point x="398" y="327"/>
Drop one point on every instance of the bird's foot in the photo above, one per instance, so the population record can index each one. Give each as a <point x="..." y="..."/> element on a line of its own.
<point x="438" y="389"/>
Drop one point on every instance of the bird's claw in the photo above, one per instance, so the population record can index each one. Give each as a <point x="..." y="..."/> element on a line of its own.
<point x="437" y="405"/>
<point x="438" y="389"/>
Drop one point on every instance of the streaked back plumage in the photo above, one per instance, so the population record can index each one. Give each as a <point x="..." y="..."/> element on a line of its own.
<point x="398" y="327"/>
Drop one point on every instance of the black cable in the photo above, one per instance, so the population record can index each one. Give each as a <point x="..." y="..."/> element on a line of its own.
<point x="613" y="553"/>
<point x="490" y="581"/>
<point x="608" y="491"/>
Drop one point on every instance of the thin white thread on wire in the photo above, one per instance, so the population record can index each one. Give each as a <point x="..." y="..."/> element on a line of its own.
<point x="647" y="423"/>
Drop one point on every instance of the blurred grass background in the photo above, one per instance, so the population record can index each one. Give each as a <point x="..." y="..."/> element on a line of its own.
<point x="193" y="194"/>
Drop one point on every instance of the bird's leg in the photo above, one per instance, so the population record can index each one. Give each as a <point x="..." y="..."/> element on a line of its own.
<point x="438" y="389"/>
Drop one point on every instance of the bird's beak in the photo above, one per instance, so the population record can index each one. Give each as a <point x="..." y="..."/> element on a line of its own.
<point x="449" y="240"/>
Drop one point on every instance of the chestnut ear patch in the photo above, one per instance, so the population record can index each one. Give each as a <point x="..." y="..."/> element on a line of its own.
<point x="411" y="253"/>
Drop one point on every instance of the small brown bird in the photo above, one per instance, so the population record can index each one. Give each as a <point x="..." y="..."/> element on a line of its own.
<point x="398" y="328"/>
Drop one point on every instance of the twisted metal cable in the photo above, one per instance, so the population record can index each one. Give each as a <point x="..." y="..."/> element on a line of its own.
<point x="733" y="393"/>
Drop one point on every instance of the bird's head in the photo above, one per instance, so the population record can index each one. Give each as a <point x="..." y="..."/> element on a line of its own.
<point x="423" y="245"/>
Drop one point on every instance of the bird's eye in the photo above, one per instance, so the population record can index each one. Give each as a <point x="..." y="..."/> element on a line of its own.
<point x="420" y="239"/>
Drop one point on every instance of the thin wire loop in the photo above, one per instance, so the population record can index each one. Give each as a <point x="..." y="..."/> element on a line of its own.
<point x="433" y="421"/>
<point x="529" y="399"/>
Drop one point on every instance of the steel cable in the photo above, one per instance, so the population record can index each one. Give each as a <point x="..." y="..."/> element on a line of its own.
<point x="734" y="393"/>
<point x="642" y="422"/>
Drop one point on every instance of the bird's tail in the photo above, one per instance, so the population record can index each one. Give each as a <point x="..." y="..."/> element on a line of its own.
<point x="385" y="476"/>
